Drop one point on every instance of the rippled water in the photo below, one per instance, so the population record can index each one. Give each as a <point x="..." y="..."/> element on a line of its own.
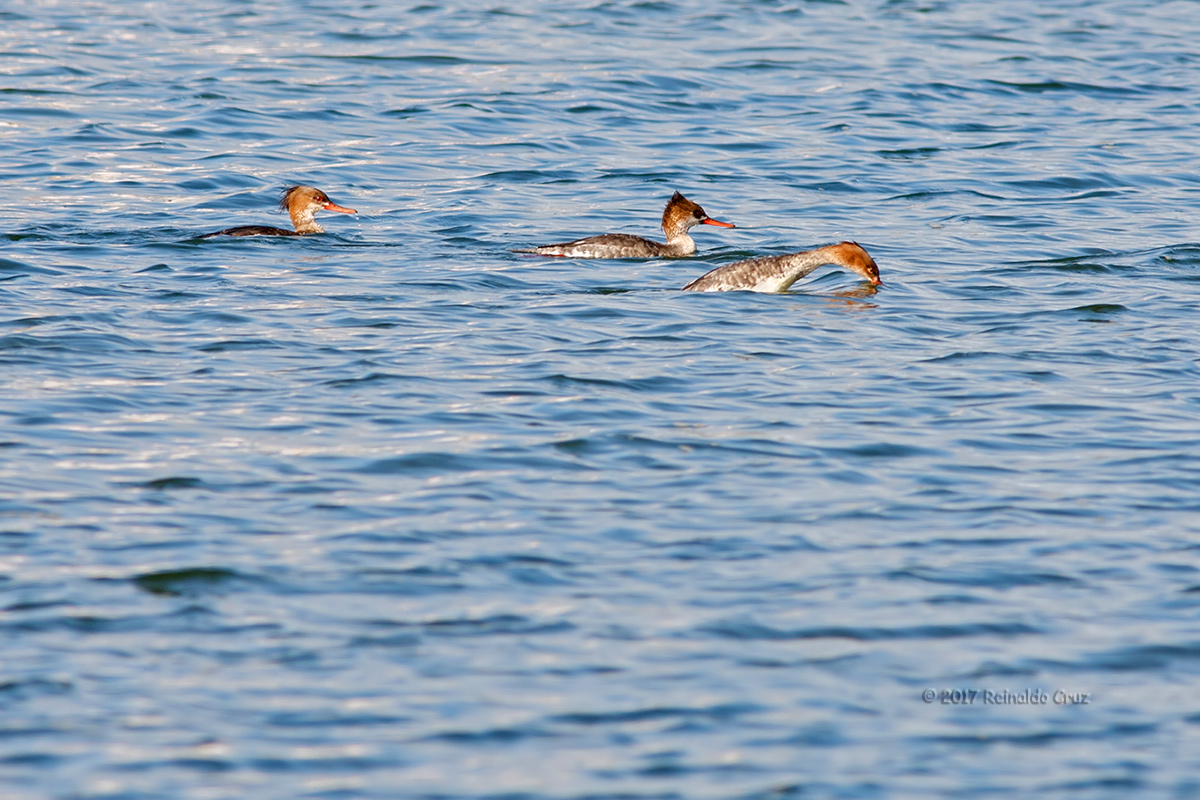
<point x="397" y="512"/>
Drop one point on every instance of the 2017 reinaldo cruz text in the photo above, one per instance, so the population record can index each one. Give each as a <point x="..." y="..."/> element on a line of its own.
<point x="1006" y="697"/>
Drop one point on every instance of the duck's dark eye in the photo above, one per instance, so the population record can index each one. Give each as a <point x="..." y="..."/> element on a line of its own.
<point x="698" y="214"/>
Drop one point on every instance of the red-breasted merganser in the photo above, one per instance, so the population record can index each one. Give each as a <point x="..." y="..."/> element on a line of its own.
<point x="777" y="273"/>
<point x="679" y="217"/>
<point x="302" y="203"/>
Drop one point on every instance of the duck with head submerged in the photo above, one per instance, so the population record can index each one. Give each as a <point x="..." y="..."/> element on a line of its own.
<point x="680" y="216"/>
<point x="302" y="203"/>
<point x="777" y="273"/>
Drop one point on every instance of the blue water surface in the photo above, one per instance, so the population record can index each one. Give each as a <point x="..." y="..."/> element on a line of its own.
<point x="397" y="512"/>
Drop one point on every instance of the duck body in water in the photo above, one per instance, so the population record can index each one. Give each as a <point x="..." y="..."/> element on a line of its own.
<point x="302" y="204"/>
<point x="680" y="216"/>
<point x="778" y="273"/>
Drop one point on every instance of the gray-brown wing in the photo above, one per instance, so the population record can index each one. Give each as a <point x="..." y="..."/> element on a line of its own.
<point x="610" y="245"/>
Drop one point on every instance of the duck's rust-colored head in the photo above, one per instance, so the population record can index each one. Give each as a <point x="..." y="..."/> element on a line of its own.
<point x="852" y="256"/>
<point x="303" y="202"/>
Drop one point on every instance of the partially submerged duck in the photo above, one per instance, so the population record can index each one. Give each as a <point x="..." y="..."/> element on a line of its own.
<point x="302" y="203"/>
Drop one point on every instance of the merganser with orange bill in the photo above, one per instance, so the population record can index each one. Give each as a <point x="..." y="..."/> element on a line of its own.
<point x="680" y="216"/>
<point x="777" y="273"/>
<point x="302" y="203"/>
